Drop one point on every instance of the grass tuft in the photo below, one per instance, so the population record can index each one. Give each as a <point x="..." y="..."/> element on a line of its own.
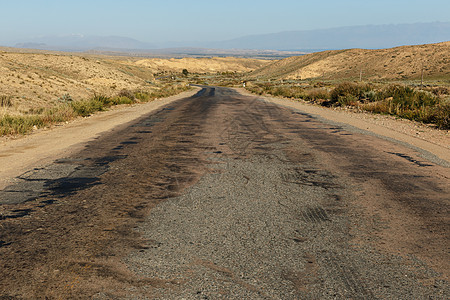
<point x="19" y="124"/>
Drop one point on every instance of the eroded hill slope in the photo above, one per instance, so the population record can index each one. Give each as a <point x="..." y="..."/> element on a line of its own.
<point x="405" y="62"/>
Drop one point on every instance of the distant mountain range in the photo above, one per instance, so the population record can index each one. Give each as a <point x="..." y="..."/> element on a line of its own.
<point x="369" y="37"/>
<point x="85" y="43"/>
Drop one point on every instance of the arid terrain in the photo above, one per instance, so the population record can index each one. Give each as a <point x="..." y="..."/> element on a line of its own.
<point x="35" y="79"/>
<point x="396" y="63"/>
<point x="39" y="80"/>
<point x="218" y="192"/>
<point x="203" y="65"/>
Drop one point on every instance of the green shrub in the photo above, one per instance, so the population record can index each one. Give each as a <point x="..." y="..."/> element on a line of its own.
<point x="121" y="100"/>
<point x="442" y="116"/>
<point x="371" y="96"/>
<point x="316" y="94"/>
<point x="104" y="100"/>
<point x="126" y="93"/>
<point x="347" y="100"/>
<point x="408" y="98"/>
<point x="255" y="89"/>
<point x="142" y="96"/>
<point x="345" y="91"/>
<point x="85" y="108"/>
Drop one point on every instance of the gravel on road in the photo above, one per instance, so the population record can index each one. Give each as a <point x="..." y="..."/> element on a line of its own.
<point x="222" y="195"/>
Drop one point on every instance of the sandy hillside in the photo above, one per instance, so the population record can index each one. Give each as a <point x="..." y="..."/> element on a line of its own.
<point x="203" y="65"/>
<point x="395" y="63"/>
<point x="37" y="79"/>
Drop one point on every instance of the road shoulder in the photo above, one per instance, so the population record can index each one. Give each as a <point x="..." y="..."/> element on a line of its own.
<point x="44" y="146"/>
<point x="432" y="144"/>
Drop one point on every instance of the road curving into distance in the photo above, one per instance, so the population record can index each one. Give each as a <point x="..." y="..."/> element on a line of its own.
<point x="222" y="195"/>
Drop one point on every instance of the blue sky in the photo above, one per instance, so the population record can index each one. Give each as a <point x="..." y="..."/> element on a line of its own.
<point x="203" y="20"/>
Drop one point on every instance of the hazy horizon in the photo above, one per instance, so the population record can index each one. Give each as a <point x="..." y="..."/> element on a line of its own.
<point x="160" y="23"/>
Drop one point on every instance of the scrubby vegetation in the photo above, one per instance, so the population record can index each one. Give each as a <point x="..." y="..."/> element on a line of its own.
<point x="429" y="105"/>
<point x="69" y="109"/>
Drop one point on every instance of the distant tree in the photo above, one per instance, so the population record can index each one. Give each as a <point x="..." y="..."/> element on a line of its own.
<point x="185" y="72"/>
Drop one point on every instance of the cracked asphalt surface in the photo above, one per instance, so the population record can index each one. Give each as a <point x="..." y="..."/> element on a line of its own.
<point x="227" y="196"/>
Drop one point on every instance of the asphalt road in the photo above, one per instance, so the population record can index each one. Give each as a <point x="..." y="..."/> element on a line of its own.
<point x="227" y="196"/>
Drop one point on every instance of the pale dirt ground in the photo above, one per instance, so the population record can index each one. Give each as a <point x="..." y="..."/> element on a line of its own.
<point x="395" y="63"/>
<point x="437" y="142"/>
<point x="44" y="146"/>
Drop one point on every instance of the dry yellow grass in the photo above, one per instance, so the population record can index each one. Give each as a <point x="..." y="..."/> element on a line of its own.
<point x="36" y="79"/>
<point x="203" y="65"/>
<point x="395" y="63"/>
<point x="39" y="79"/>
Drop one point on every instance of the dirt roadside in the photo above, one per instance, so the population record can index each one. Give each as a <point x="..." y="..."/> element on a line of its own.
<point x="421" y="137"/>
<point x="44" y="146"/>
